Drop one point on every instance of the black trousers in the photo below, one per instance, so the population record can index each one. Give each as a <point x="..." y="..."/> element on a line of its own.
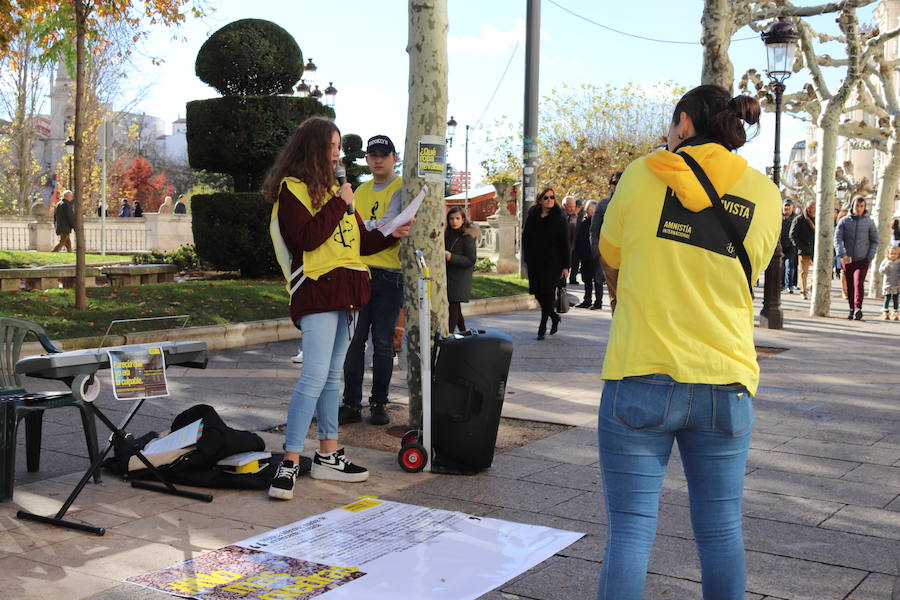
<point x="456" y="316"/>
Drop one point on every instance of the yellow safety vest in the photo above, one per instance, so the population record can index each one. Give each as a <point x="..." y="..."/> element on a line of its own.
<point x="372" y="205"/>
<point x="341" y="249"/>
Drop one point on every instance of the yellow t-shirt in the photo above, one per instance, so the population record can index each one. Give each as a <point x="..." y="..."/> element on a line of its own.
<point x="683" y="306"/>
<point x="371" y="206"/>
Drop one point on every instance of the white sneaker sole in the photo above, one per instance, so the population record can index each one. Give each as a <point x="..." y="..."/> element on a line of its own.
<point x="323" y="472"/>
<point x="280" y="494"/>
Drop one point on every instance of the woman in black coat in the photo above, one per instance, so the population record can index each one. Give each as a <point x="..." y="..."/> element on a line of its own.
<point x="546" y="246"/>
<point x="459" y="250"/>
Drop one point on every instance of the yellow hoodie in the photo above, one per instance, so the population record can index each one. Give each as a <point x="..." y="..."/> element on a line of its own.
<point x="683" y="307"/>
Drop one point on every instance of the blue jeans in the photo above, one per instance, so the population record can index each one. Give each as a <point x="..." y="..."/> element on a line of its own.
<point x="640" y="417"/>
<point x="326" y="337"/>
<point x="379" y="316"/>
<point x="789" y="267"/>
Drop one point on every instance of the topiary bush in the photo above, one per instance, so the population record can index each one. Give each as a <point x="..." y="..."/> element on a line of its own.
<point x="242" y="136"/>
<point x="250" y="57"/>
<point x="228" y="234"/>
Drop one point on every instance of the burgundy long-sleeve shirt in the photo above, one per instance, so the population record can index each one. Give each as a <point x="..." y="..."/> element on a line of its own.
<point x="340" y="288"/>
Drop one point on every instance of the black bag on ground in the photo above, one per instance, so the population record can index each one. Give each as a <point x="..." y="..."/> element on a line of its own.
<point x="198" y="466"/>
<point x="469" y="384"/>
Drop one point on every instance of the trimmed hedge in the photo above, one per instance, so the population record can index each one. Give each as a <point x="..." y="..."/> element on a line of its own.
<point x="231" y="232"/>
<point x="242" y="136"/>
<point x="250" y="57"/>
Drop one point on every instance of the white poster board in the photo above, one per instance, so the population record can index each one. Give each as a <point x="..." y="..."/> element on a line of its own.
<point x="376" y="550"/>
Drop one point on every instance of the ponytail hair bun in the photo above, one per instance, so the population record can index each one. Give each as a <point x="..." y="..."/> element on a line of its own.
<point x="718" y="116"/>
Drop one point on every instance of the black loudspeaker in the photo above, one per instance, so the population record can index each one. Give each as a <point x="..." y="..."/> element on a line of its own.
<point x="468" y="387"/>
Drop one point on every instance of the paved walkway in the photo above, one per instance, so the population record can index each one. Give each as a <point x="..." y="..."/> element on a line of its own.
<point x="822" y="503"/>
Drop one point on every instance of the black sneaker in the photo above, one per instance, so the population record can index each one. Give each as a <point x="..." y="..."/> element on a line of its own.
<point x="336" y="467"/>
<point x="859" y="315"/>
<point x="282" y="486"/>
<point x="379" y="415"/>
<point x="850" y="316"/>
<point x="348" y="414"/>
<point x="597" y="306"/>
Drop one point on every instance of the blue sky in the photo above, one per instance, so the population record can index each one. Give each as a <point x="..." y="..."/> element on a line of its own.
<point x="360" y="45"/>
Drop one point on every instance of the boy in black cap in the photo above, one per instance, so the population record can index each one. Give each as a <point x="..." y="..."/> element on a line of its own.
<point x="377" y="201"/>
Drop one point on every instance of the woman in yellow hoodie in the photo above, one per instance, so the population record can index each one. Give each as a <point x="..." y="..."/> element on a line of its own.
<point x="680" y="363"/>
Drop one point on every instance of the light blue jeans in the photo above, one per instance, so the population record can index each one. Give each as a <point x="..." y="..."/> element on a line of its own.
<point x="326" y="337"/>
<point x="640" y="417"/>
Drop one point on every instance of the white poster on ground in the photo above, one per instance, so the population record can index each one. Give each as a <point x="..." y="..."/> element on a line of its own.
<point x="384" y="550"/>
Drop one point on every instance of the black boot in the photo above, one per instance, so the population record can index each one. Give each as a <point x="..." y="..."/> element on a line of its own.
<point x="542" y="328"/>
<point x="554" y="326"/>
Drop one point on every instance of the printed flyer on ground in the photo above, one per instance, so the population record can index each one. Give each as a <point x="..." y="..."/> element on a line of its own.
<point x="369" y="550"/>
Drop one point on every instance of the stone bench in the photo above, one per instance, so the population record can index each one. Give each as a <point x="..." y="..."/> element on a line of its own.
<point x="124" y="275"/>
<point x="44" y="278"/>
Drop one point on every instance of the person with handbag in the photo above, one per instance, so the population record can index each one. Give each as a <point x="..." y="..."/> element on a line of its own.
<point x="545" y="242"/>
<point x="687" y="232"/>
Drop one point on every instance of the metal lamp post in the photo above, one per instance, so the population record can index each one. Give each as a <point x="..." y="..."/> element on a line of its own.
<point x="70" y="150"/>
<point x="451" y="131"/>
<point x="781" y="43"/>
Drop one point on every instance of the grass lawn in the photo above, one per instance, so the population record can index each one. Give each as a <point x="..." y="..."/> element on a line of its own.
<point x="207" y="303"/>
<point x="13" y="259"/>
<point x="491" y="286"/>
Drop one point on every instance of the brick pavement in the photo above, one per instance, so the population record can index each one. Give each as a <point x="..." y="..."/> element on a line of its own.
<point x="822" y="506"/>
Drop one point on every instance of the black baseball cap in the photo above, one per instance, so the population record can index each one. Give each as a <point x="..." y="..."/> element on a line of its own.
<point x="381" y="144"/>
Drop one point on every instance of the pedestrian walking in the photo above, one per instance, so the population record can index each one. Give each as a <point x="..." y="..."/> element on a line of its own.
<point x="680" y="364"/>
<point x="459" y="251"/>
<point x="180" y="206"/>
<point x="572" y="216"/>
<point x="890" y="270"/>
<point x="545" y="242"/>
<point x="166" y="207"/>
<point x="803" y="237"/>
<point x="586" y="259"/>
<point x="138" y="209"/>
<point x="64" y="221"/>
<point x="377" y="201"/>
<point x="895" y="232"/>
<point x="856" y="242"/>
<point x="318" y="242"/>
<point x="125" y="211"/>
<point x="596" y="224"/>
<point x="788" y="249"/>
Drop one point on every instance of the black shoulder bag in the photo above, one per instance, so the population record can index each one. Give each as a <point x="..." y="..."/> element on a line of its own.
<point x="722" y="217"/>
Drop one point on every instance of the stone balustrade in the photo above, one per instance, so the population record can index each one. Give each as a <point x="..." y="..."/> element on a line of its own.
<point x="120" y="234"/>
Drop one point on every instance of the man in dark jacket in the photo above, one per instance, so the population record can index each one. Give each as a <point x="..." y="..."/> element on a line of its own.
<point x="586" y="259"/>
<point x="64" y="221"/>
<point x="572" y="215"/>
<point x="596" y="224"/>
<point x="789" y="259"/>
<point x="803" y="236"/>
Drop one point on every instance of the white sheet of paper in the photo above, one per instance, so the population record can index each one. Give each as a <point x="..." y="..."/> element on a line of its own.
<point x="405" y="215"/>
<point x="178" y="439"/>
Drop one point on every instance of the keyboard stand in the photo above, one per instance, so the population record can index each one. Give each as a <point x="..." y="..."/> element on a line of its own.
<point x="118" y="433"/>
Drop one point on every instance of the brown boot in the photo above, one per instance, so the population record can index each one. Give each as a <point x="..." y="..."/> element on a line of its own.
<point x="897" y="315"/>
<point x="885" y="315"/>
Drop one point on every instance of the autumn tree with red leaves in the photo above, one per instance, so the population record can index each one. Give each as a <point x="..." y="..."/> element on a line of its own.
<point x="140" y="185"/>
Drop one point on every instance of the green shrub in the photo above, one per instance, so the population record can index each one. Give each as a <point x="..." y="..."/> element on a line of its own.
<point x="184" y="257"/>
<point x="231" y="233"/>
<point x="250" y="57"/>
<point x="484" y="265"/>
<point x="242" y="136"/>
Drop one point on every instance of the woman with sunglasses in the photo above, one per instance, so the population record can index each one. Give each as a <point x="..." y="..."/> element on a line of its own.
<point x="546" y="246"/>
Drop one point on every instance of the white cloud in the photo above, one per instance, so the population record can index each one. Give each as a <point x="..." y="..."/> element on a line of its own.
<point x="492" y="42"/>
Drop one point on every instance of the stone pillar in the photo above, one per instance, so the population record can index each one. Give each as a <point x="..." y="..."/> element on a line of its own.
<point x="41" y="234"/>
<point x="505" y="225"/>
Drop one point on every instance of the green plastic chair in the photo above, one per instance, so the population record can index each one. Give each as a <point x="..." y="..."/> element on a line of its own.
<point x="17" y="404"/>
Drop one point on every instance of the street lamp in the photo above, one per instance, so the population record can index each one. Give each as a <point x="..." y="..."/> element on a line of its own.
<point x="781" y="43"/>
<point x="70" y="150"/>
<point x="330" y="93"/>
<point x="451" y="131"/>
<point x="303" y="89"/>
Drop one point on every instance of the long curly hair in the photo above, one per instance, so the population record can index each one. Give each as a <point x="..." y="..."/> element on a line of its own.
<point x="306" y="156"/>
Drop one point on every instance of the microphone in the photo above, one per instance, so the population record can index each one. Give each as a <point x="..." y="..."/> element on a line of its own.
<point x="340" y="172"/>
